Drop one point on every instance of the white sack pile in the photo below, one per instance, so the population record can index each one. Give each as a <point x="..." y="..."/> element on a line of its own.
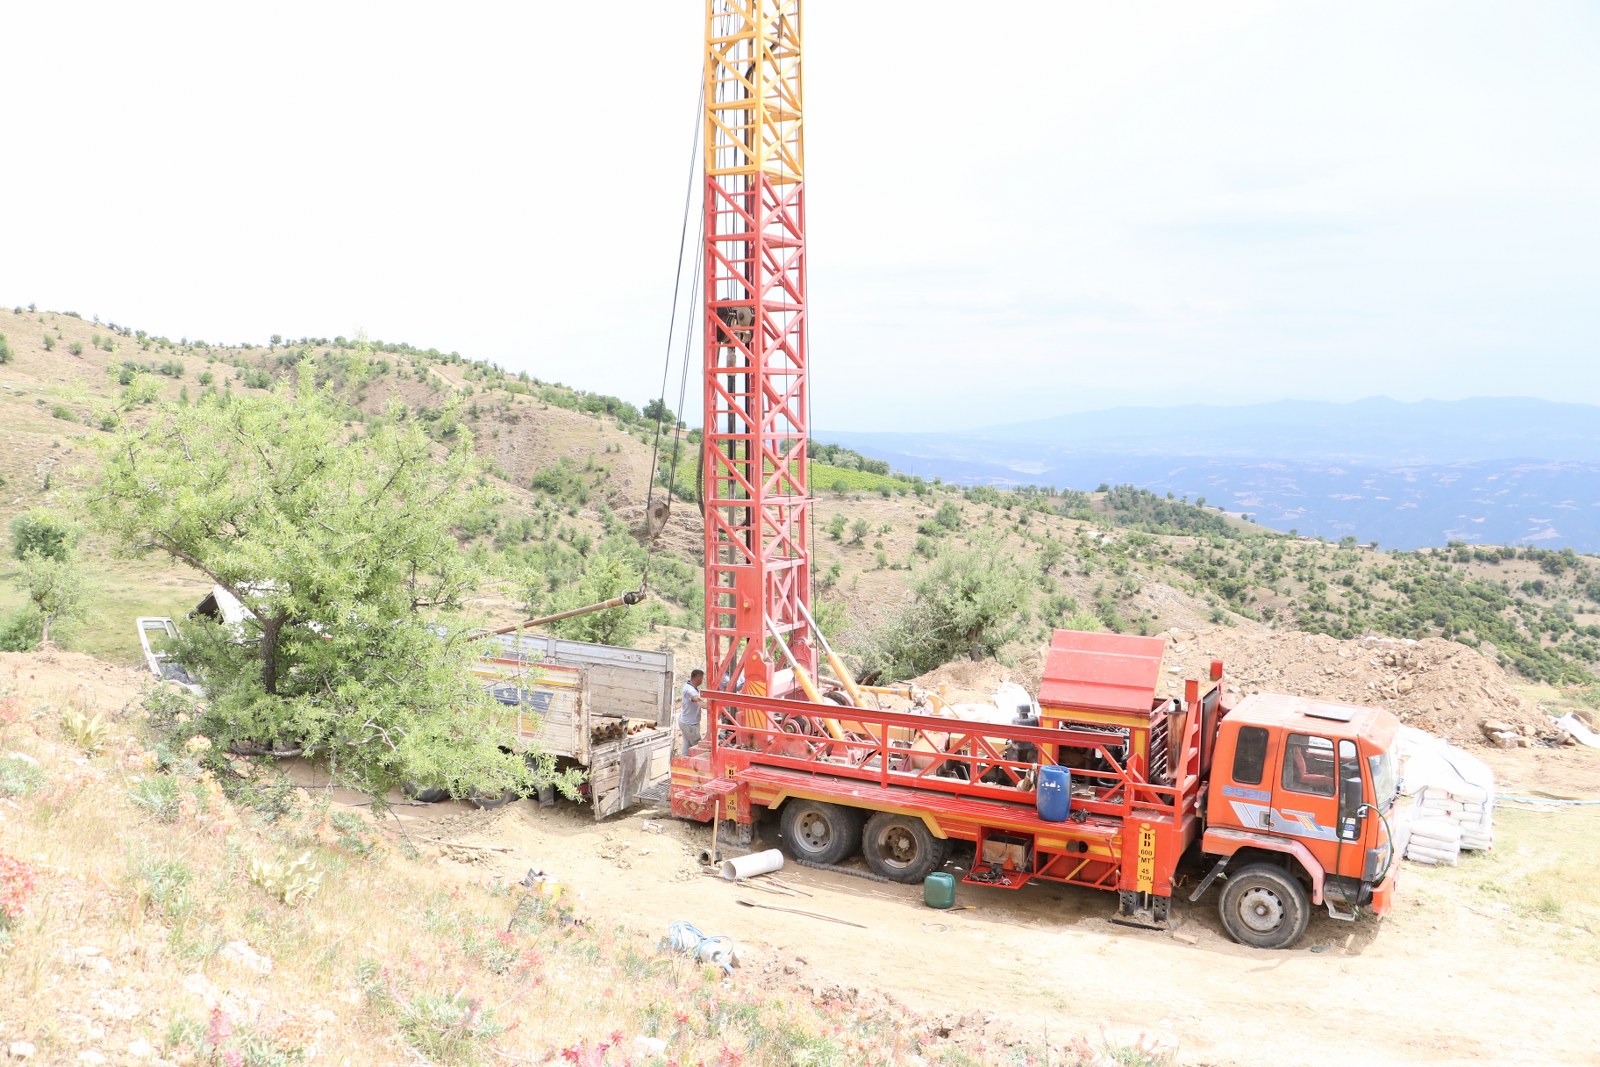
<point x="1454" y="806"/>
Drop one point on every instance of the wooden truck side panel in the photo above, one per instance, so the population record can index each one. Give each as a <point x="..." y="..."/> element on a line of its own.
<point x="566" y="690"/>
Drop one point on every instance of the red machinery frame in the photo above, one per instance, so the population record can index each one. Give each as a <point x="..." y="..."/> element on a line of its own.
<point x="1128" y="833"/>
<point x="754" y="483"/>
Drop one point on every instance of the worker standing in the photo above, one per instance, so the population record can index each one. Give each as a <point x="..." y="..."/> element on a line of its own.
<point x="689" y="714"/>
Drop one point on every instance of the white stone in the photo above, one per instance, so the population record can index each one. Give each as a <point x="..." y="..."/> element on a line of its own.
<point x="92" y="1057"/>
<point x="20" y="1050"/>
<point x="648" y="1047"/>
<point x="200" y="986"/>
<point x="247" y="956"/>
<point x="139" y="1048"/>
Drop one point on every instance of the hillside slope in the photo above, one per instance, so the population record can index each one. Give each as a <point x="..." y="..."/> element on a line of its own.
<point x="574" y="468"/>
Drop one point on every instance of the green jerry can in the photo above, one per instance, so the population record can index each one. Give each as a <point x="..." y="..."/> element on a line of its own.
<point x="939" y="890"/>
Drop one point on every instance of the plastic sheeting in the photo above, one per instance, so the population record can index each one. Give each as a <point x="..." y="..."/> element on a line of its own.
<point x="1449" y="787"/>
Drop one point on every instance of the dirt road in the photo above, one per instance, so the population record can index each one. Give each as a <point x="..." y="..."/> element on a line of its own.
<point x="1494" y="962"/>
<point x="1453" y="975"/>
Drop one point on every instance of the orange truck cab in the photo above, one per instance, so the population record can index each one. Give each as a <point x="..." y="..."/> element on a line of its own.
<point x="1297" y="814"/>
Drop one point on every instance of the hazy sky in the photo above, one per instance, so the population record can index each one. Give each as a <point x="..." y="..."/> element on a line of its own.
<point x="1015" y="210"/>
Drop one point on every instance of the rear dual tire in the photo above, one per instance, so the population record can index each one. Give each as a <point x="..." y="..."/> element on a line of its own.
<point x="896" y="847"/>
<point x="816" y="832"/>
<point x="901" y="848"/>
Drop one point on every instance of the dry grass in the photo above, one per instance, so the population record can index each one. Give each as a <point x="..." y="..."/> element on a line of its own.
<point x="1536" y="881"/>
<point x="145" y="933"/>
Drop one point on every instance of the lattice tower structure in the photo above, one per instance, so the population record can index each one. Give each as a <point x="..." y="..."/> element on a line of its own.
<point x="754" y="477"/>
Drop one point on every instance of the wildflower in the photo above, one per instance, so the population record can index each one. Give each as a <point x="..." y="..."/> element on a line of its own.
<point x="198" y="743"/>
<point x="218" y="1027"/>
<point x="16" y="885"/>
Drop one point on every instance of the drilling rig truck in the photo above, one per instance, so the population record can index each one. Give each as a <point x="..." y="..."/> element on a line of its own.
<point x="1110" y="785"/>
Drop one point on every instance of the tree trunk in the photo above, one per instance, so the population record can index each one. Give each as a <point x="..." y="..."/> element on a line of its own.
<point x="270" y="629"/>
<point x="44" y="632"/>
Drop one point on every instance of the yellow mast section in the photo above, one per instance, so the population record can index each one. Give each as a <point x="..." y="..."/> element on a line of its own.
<point x="753" y="114"/>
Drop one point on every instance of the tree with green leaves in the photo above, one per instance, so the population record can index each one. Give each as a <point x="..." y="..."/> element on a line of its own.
<point x="43" y="533"/>
<point x="970" y="602"/>
<point x="341" y="544"/>
<point x="45" y="545"/>
<point x="56" y="590"/>
<point x="607" y="573"/>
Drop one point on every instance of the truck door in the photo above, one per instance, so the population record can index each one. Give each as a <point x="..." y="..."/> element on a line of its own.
<point x="1305" y="793"/>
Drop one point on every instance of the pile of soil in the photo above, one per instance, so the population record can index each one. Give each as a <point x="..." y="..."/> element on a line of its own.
<point x="71" y="678"/>
<point x="1435" y="685"/>
<point x="967" y="681"/>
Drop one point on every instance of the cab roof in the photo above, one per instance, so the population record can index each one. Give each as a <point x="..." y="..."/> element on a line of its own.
<point x="1328" y="718"/>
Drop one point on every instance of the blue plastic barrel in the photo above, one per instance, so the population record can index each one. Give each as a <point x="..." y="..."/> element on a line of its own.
<point x="1054" y="796"/>
<point x="939" y="890"/>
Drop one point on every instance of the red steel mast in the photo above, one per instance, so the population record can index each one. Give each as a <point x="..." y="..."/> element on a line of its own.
<point x="754" y="479"/>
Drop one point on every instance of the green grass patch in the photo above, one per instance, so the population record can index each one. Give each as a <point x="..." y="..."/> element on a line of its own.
<point x="826" y="479"/>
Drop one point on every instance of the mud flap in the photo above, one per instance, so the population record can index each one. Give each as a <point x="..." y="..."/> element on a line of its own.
<point x="1144" y="910"/>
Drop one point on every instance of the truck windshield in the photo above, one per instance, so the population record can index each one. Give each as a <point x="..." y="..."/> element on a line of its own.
<point x="1383" y="784"/>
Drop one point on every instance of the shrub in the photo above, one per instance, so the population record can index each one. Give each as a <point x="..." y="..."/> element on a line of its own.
<point x="88" y="733"/>
<point x="290" y="880"/>
<point x="76" y="348"/>
<point x="22" y="630"/>
<point x="160" y="795"/>
<point x="64" y="413"/>
<point x="5" y="349"/>
<point x="19" y="776"/>
<point x="447" y="1028"/>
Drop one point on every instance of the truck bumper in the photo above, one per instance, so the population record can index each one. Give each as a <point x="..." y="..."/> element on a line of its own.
<point x="1383" y="892"/>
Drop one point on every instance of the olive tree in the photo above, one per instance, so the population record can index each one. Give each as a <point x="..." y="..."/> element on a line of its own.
<point x="340" y="541"/>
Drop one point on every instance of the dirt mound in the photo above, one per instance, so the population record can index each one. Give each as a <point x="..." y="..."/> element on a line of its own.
<point x="1439" y="686"/>
<point x="974" y="681"/>
<point x="71" y="677"/>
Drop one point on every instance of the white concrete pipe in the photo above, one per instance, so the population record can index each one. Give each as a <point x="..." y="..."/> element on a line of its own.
<point x="751" y="865"/>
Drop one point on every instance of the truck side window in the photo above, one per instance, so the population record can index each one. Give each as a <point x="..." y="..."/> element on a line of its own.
<point x="1308" y="765"/>
<point x="1250" y="755"/>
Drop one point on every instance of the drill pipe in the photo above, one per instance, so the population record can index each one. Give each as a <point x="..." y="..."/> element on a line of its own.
<point x="626" y="600"/>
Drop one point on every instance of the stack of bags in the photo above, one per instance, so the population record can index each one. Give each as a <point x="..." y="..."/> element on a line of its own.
<point x="1454" y="799"/>
<point x="1468" y="805"/>
<point x="1434" y="842"/>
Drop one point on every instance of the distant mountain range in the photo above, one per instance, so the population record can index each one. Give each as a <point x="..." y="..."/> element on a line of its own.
<point x="1407" y="475"/>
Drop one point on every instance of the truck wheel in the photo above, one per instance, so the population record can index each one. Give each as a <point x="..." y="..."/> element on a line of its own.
<point x="900" y="848"/>
<point x="425" y="794"/>
<point x="491" y="801"/>
<point x="818" y="832"/>
<point x="1264" y="906"/>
